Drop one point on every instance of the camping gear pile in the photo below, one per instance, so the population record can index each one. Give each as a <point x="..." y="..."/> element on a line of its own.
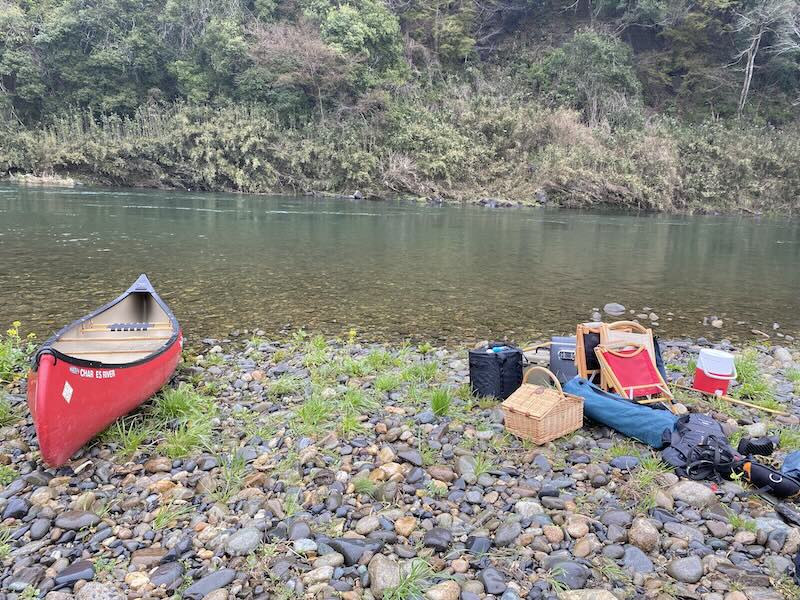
<point x="617" y="379"/>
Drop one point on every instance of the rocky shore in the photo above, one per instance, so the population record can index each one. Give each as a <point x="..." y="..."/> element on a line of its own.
<point x="314" y="468"/>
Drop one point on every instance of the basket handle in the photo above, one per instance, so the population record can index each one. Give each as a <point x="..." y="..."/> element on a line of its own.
<point x="549" y="374"/>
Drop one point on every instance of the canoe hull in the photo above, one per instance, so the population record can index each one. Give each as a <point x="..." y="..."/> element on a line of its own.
<point x="71" y="403"/>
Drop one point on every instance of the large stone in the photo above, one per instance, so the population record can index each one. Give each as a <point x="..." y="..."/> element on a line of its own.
<point x="438" y="538"/>
<point x="465" y="465"/>
<point x="384" y="573"/>
<point x="167" y="574"/>
<point x="571" y="574"/>
<point x="693" y="493"/>
<point x="160" y="464"/>
<point x="244" y="541"/>
<point x="405" y="526"/>
<point x="527" y="509"/>
<point x="353" y="549"/>
<point x="493" y="581"/>
<point x="447" y="590"/>
<point x="16" y="508"/>
<point x="636" y="560"/>
<point x="81" y="569"/>
<point x="76" y="519"/>
<point x="686" y="570"/>
<point x="367" y="525"/>
<point x="100" y="591"/>
<point x="644" y="535"/>
<point x="616" y="517"/>
<point x="147" y="557"/>
<point x="318" y="575"/>
<point x="209" y="583"/>
<point x="506" y="534"/>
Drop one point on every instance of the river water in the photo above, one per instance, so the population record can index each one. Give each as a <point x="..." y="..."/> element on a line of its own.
<point x="390" y="270"/>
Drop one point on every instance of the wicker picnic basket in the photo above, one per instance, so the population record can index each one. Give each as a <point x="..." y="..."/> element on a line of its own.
<point x="541" y="413"/>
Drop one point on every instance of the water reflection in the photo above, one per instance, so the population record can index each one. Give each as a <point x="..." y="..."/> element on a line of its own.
<point x="391" y="270"/>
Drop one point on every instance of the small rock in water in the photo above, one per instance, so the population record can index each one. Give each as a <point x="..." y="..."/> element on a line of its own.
<point x="614" y="309"/>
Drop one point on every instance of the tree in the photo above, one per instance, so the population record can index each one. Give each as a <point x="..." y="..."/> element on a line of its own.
<point x="771" y="21"/>
<point x="592" y="73"/>
<point x="298" y="57"/>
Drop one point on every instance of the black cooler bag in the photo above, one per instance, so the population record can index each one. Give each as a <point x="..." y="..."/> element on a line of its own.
<point x="496" y="374"/>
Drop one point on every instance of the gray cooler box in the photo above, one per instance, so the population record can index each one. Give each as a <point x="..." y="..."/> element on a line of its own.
<point x="562" y="358"/>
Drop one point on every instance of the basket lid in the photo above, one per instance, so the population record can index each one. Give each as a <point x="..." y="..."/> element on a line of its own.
<point x="534" y="400"/>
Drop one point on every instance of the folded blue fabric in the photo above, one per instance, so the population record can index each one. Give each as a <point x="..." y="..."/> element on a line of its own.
<point x="791" y="464"/>
<point x="638" y="421"/>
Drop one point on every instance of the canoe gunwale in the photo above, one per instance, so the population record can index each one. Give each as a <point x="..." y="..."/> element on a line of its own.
<point x="142" y="284"/>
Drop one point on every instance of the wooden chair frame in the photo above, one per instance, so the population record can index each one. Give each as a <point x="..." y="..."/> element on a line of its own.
<point x="580" y="350"/>
<point x="632" y="349"/>
<point x="607" y="331"/>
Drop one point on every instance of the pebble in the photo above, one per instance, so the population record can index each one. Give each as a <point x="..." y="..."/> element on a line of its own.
<point x="686" y="570"/>
<point x="209" y="583"/>
<point x="244" y="541"/>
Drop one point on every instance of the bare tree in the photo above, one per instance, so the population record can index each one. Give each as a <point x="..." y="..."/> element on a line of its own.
<point x="299" y="57"/>
<point x="769" y="25"/>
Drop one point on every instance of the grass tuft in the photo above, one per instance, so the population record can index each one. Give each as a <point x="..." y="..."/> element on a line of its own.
<point x="285" y="385"/>
<point x="753" y="386"/>
<point x="7" y="413"/>
<point x="441" y="401"/>
<point x="413" y="584"/>
<point x="421" y="372"/>
<point x="7" y="475"/>
<point x="364" y="485"/>
<point x="5" y="543"/>
<point x="170" y="514"/>
<point x="230" y="479"/>
<point x="388" y="382"/>
<point x="128" y="435"/>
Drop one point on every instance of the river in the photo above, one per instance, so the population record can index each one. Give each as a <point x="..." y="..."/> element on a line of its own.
<point x="446" y="274"/>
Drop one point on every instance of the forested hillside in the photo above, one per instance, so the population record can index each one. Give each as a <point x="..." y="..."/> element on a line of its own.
<point x="659" y="104"/>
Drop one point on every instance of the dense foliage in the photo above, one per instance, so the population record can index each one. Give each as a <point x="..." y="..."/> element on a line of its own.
<point x="652" y="103"/>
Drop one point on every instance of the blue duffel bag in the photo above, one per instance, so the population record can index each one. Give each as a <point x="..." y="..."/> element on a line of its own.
<point x="633" y="420"/>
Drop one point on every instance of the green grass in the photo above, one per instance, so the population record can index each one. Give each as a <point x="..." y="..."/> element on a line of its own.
<point x="285" y="385"/>
<point x="183" y="404"/>
<point x="230" y="479"/>
<point x="623" y="448"/>
<point x="184" y="439"/>
<point x="214" y="359"/>
<point x="735" y="437"/>
<point x="413" y="584"/>
<point x="483" y="464"/>
<point x="425" y="348"/>
<point x="388" y="382"/>
<point x="435" y="490"/>
<point x="312" y="415"/>
<point x="784" y="585"/>
<point x="556" y="585"/>
<point x="171" y="513"/>
<point x="358" y="401"/>
<point x="291" y="506"/>
<point x="379" y="360"/>
<point x="789" y="438"/>
<point x="129" y="435"/>
<point x="7" y="475"/>
<point x="353" y="367"/>
<point x="793" y="376"/>
<point x="738" y="522"/>
<point x="441" y="401"/>
<point x="753" y="386"/>
<point x="611" y="571"/>
<point x="364" y="485"/>
<point x="5" y="543"/>
<point x="644" y="482"/>
<point x="421" y="372"/>
<point x="350" y="426"/>
<point x="7" y="413"/>
<point x="15" y="353"/>
<point x="29" y="593"/>
<point x="104" y="567"/>
<point x="691" y="367"/>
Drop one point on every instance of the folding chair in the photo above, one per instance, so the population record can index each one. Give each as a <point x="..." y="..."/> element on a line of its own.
<point x="587" y="337"/>
<point x="628" y="332"/>
<point x="631" y="372"/>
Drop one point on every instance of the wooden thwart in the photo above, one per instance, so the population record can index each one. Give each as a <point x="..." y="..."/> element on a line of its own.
<point x="732" y="400"/>
<point x="115" y="339"/>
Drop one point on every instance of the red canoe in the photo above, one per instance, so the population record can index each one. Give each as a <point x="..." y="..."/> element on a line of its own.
<point x="100" y="368"/>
